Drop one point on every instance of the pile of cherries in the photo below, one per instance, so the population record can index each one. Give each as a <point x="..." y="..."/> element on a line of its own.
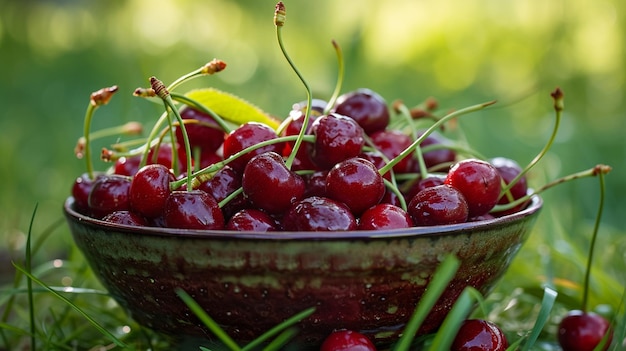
<point x="351" y="171"/>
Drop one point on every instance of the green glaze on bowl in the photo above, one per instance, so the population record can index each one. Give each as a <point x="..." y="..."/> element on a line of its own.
<point x="367" y="281"/>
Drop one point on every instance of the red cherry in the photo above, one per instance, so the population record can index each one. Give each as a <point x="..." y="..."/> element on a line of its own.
<point x="192" y="210"/>
<point x="433" y="179"/>
<point x="438" y="205"/>
<point x="206" y="135"/>
<point x="355" y="182"/>
<point x="149" y="190"/>
<point x="223" y="183"/>
<point x="337" y="138"/>
<point x="438" y="157"/>
<point x="80" y="191"/>
<point x="384" y="216"/>
<point x="479" y="182"/>
<point x="347" y="340"/>
<point x="509" y="169"/>
<point x="247" y="135"/>
<point x="391" y="143"/>
<point x="366" y="107"/>
<point x="252" y="220"/>
<point x="583" y="331"/>
<point x="109" y="193"/>
<point x="127" y="166"/>
<point x="318" y="214"/>
<point x="479" y="335"/>
<point x="269" y="185"/>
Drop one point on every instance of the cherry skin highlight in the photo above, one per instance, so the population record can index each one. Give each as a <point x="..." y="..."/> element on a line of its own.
<point x="149" y="190"/>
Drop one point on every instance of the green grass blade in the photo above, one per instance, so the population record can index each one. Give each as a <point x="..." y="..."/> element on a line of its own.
<point x="441" y="278"/>
<point x="279" y="328"/>
<point x="451" y="324"/>
<point x="101" y="329"/>
<point x="207" y="320"/>
<point x="549" y="297"/>
<point x="29" y="283"/>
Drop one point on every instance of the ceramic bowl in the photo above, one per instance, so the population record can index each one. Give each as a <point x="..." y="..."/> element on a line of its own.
<point x="249" y="282"/>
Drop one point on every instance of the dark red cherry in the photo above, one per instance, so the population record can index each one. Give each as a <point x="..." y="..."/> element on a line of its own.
<point x="109" y="193"/>
<point x="149" y="190"/>
<point x="479" y="335"/>
<point x="127" y="166"/>
<point x="80" y="192"/>
<point x="509" y="169"/>
<point x="583" y="331"/>
<point x="252" y="220"/>
<point x="438" y="205"/>
<point x="192" y="210"/>
<point x="269" y="185"/>
<point x="337" y="138"/>
<point x="247" y="135"/>
<point x="347" y="340"/>
<point x="479" y="182"/>
<point x="384" y="216"/>
<point x="366" y="107"/>
<point x="302" y="159"/>
<point x="222" y="184"/>
<point x="164" y="157"/>
<point x="391" y="143"/>
<point x="318" y="214"/>
<point x="355" y="182"/>
<point x="126" y="218"/>
<point x="206" y="134"/>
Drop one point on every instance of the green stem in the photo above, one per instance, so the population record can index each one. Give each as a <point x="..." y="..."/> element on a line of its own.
<point x="404" y="111"/>
<point x="406" y="152"/>
<point x="340" y="75"/>
<point x="87" y="152"/>
<point x="153" y="134"/>
<point x="169" y="102"/>
<point x="558" y="109"/>
<point x="191" y="102"/>
<point x="593" y="242"/>
<point x="309" y="99"/>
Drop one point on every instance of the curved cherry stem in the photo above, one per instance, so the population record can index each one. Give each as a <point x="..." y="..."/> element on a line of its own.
<point x="195" y="104"/>
<point x="557" y="95"/>
<point x="162" y="92"/>
<point x="592" y="245"/>
<point x="340" y="75"/>
<point x="419" y="155"/>
<point x="592" y="172"/>
<point x="209" y="68"/>
<point x="279" y="21"/>
<point x="96" y="99"/>
<point x="406" y="152"/>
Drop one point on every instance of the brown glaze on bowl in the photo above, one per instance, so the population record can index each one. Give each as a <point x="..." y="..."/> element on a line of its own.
<point x="365" y="281"/>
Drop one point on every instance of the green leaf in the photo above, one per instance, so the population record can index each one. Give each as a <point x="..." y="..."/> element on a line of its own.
<point x="231" y="107"/>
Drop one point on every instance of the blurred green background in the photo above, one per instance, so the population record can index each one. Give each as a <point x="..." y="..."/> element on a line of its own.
<point x="53" y="54"/>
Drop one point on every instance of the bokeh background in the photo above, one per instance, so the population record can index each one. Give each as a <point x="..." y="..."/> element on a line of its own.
<point x="54" y="53"/>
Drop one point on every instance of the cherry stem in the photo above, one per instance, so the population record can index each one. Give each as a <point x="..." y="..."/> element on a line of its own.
<point x="404" y="111"/>
<point x="209" y="68"/>
<point x="394" y="188"/>
<point x="279" y="21"/>
<point x="340" y="75"/>
<point x="557" y="95"/>
<point x="593" y="243"/>
<point x="164" y="94"/>
<point x="406" y="152"/>
<point x="230" y="196"/>
<point x="195" y="104"/>
<point x="153" y="134"/>
<point x="96" y="99"/>
<point x="592" y="172"/>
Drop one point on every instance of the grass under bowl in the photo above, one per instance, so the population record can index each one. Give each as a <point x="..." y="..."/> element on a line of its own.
<point x="367" y="281"/>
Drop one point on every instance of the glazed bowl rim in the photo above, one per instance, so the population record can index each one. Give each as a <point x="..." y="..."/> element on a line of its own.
<point x="425" y="231"/>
